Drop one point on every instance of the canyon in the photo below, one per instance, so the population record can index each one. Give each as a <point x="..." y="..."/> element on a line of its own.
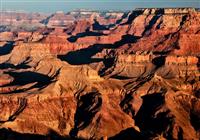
<point x="100" y="75"/>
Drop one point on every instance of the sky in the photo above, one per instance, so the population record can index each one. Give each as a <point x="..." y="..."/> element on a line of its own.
<point x="50" y="6"/>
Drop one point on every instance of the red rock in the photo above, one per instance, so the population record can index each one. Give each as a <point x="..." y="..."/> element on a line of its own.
<point x="69" y="79"/>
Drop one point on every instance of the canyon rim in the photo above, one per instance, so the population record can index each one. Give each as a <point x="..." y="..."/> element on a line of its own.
<point x="92" y="74"/>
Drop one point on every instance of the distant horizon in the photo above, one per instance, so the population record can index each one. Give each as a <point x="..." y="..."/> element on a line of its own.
<point x="51" y="6"/>
<point x="74" y="10"/>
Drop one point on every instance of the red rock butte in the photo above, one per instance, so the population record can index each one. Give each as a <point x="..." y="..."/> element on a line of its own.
<point x="100" y="75"/>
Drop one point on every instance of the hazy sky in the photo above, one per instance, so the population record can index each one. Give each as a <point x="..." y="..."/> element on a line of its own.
<point x="68" y="5"/>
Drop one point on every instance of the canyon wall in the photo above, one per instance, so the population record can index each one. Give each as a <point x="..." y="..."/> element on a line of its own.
<point x="114" y="75"/>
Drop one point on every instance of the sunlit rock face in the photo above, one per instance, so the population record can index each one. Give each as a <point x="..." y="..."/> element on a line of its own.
<point x="92" y="75"/>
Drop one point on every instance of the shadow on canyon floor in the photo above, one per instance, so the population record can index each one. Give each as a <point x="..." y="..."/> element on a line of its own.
<point x="12" y="66"/>
<point x="87" y="106"/>
<point x="84" y="34"/>
<point x="28" y="77"/>
<point x="153" y="21"/>
<point x="99" y="27"/>
<point x="84" y="56"/>
<point x="128" y="134"/>
<point x="132" y="16"/>
<point x="159" y="61"/>
<point x="146" y="119"/>
<point x="7" y="48"/>
<point x="6" y="134"/>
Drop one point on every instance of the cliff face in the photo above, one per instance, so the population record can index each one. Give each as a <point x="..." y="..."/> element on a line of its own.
<point x="130" y="76"/>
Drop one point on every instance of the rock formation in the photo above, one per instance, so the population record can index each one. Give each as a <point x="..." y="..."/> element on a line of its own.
<point x="107" y="75"/>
